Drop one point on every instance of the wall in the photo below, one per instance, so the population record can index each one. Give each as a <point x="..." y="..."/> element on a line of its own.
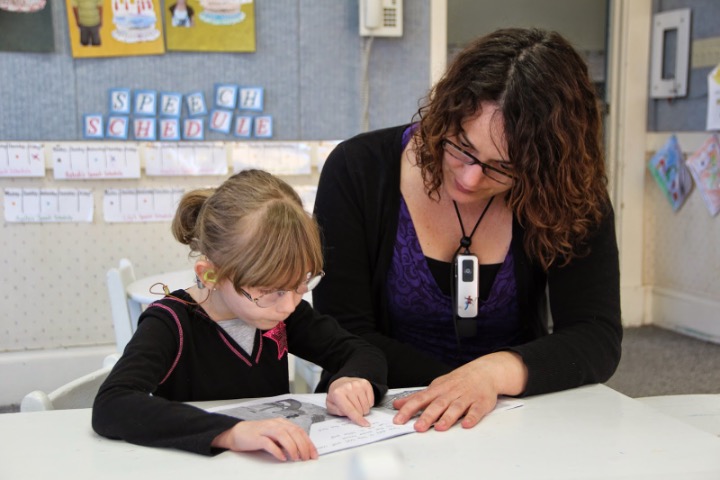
<point x="687" y="113"/>
<point x="309" y="60"/>
<point x="681" y="261"/>
<point x="583" y="22"/>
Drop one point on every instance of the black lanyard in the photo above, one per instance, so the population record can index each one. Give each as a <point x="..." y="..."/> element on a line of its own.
<point x="465" y="327"/>
<point x="466" y="240"/>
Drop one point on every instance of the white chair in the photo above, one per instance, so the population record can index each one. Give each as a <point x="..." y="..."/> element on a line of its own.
<point x="125" y="311"/>
<point x="306" y="377"/>
<point x="78" y="393"/>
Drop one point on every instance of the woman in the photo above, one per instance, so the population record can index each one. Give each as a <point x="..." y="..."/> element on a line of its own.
<point x="505" y="166"/>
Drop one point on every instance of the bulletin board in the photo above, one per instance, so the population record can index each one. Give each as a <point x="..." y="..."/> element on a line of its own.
<point x="53" y="291"/>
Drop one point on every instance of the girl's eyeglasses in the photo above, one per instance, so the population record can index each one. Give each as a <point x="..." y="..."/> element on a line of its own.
<point x="269" y="299"/>
<point x="495" y="173"/>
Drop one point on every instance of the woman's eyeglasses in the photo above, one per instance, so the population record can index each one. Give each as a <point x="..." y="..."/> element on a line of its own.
<point x="269" y="299"/>
<point x="495" y="173"/>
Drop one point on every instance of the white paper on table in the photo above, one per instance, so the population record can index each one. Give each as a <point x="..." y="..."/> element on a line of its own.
<point x="330" y="433"/>
<point x="713" y="109"/>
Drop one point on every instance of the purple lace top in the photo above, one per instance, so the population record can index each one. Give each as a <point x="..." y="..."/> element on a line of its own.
<point x="421" y="314"/>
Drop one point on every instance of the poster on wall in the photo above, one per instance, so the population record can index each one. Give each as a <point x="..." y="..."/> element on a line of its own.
<point x="713" y="109"/>
<point x="26" y="26"/>
<point x="670" y="173"/>
<point x="705" y="168"/>
<point x="210" y="25"/>
<point x="115" y="28"/>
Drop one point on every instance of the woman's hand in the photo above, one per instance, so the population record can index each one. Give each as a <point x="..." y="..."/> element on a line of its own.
<point x="351" y="397"/>
<point x="277" y="436"/>
<point x="470" y="392"/>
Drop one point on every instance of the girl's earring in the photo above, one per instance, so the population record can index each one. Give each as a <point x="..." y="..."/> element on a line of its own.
<point x="199" y="284"/>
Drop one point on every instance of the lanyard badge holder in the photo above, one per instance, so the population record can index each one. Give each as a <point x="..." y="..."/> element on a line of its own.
<point x="466" y="294"/>
<point x="467" y="281"/>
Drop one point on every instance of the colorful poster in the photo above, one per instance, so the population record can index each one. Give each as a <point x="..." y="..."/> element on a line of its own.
<point x="668" y="169"/>
<point x="114" y="28"/>
<point x="26" y="26"/>
<point x="210" y="25"/>
<point x="705" y="168"/>
<point x="713" y="108"/>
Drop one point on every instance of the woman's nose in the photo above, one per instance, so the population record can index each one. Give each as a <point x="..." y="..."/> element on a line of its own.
<point x="471" y="175"/>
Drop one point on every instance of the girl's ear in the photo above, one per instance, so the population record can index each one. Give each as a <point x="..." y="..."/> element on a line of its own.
<point x="205" y="274"/>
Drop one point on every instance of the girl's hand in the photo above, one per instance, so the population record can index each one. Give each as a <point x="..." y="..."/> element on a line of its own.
<point x="351" y="397"/>
<point x="278" y="436"/>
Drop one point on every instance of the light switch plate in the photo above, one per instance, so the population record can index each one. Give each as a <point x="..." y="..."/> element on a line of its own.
<point x="675" y="85"/>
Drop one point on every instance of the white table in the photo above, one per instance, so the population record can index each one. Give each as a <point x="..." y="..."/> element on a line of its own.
<point x="699" y="410"/>
<point x="591" y="432"/>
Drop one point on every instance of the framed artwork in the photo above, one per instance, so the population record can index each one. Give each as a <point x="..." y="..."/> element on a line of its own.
<point x="114" y="28"/>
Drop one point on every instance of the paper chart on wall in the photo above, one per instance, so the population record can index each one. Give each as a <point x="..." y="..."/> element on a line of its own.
<point x="83" y="161"/>
<point x="307" y="195"/>
<point x="185" y="159"/>
<point x="276" y="158"/>
<point x="21" y="159"/>
<point x="131" y="205"/>
<point x="36" y="205"/>
<point x="323" y="150"/>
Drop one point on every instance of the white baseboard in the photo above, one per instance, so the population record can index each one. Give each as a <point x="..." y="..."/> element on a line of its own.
<point x="633" y="305"/>
<point x="684" y="313"/>
<point x="23" y="372"/>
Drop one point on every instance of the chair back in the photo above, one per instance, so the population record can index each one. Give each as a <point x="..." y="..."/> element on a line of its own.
<point x="78" y="393"/>
<point x="125" y="311"/>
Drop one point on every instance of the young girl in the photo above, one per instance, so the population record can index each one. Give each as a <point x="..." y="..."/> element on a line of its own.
<point x="228" y="337"/>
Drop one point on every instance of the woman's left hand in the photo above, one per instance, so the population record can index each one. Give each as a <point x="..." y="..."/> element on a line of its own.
<point x="469" y="391"/>
<point x="351" y="397"/>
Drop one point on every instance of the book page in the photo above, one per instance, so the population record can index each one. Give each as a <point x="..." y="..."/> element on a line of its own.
<point x="328" y="432"/>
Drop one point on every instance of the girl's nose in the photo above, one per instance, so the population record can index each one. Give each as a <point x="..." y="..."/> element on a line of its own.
<point x="288" y="302"/>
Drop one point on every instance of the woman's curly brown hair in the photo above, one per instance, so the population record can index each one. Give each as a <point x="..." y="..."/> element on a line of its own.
<point x="553" y="128"/>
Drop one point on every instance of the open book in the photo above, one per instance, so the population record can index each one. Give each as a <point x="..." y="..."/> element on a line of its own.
<point x="328" y="432"/>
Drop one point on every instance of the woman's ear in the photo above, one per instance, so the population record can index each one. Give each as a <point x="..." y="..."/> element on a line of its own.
<point x="205" y="274"/>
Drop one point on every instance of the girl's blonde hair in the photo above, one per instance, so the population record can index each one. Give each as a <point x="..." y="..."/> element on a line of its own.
<point x="253" y="228"/>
